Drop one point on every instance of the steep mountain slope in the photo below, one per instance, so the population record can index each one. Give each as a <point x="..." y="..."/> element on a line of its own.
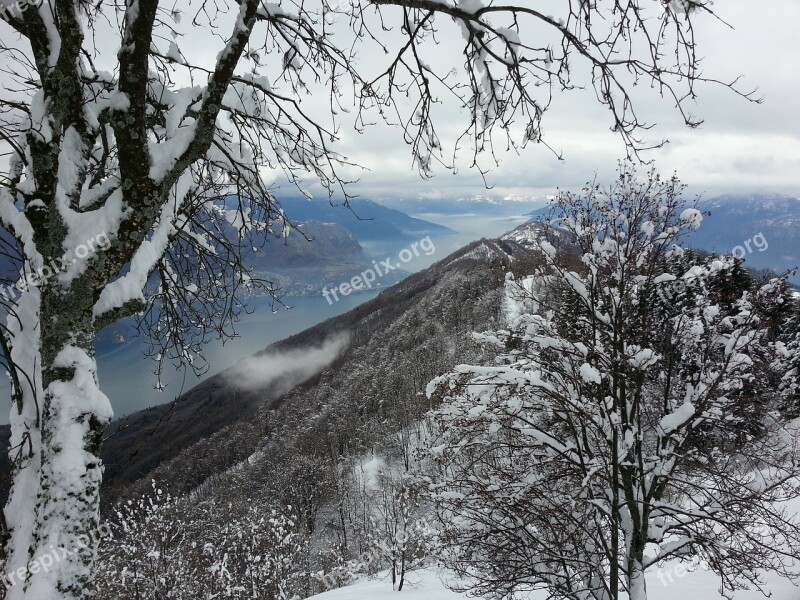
<point x="138" y="443"/>
<point x="530" y="236"/>
<point x="222" y="420"/>
<point x="404" y="337"/>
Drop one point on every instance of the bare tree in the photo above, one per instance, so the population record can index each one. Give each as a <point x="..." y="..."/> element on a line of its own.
<point x="124" y="166"/>
<point x="399" y="528"/>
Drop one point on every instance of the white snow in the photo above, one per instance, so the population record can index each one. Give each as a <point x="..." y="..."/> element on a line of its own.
<point x="548" y="249"/>
<point x="370" y="470"/>
<point x="174" y="53"/>
<point x="664" y="278"/>
<point x="23" y="326"/>
<point x="677" y="418"/>
<point x="87" y="399"/>
<point x="665" y="583"/>
<point x="643" y="358"/>
<point x="424" y="584"/>
<point x="87" y="227"/>
<point x="691" y="217"/>
<point x="131" y="285"/>
<point x="470" y="6"/>
<point x="16" y="221"/>
<point x="271" y="9"/>
<point x="119" y="101"/>
<point x="181" y="100"/>
<point x="589" y="374"/>
<point x="519" y="299"/>
<point x="164" y="155"/>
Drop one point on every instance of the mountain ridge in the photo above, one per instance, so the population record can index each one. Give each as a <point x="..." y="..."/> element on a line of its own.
<point x="366" y="219"/>
<point x="141" y="442"/>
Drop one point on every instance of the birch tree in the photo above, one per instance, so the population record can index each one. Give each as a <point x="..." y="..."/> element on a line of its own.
<point x="127" y="156"/>
<point x="621" y="426"/>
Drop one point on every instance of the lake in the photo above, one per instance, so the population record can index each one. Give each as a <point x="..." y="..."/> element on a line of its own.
<point x="126" y="374"/>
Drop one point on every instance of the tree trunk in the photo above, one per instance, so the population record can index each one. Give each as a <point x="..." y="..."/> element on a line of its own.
<point x="615" y="517"/>
<point x="25" y="444"/>
<point x="54" y="516"/>
<point x="637" y="587"/>
<point x="402" y="571"/>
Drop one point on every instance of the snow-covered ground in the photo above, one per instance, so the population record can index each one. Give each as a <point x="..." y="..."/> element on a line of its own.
<point x="424" y="584"/>
<point x="428" y="584"/>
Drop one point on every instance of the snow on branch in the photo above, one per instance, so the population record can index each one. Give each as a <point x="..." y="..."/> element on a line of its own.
<point x="130" y="287"/>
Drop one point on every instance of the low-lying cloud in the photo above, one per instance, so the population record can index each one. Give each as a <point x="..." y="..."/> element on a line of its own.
<point x="281" y="371"/>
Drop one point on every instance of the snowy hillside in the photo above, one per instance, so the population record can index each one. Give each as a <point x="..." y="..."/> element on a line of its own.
<point x="424" y="584"/>
<point x="431" y="584"/>
<point x="532" y="233"/>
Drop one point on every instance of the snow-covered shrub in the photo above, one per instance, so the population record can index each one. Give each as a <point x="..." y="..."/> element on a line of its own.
<point x="147" y="557"/>
<point x="168" y="548"/>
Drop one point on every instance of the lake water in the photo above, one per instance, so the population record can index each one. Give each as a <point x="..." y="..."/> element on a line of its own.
<point x="468" y="228"/>
<point x="126" y="374"/>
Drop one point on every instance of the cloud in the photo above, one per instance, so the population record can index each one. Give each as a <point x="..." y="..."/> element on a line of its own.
<point x="281" y="371"/>
<point x="740" y="146"/>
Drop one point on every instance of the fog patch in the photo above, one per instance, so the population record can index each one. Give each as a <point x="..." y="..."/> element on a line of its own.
<point x="281" y="371"/>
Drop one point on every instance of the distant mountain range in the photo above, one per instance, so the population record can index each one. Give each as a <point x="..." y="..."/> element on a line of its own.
<point x="323" y="248"/>
<point x="477" y="204"/>
<point x="311" y="244"/>
<point x="367" y="220"/>
<point x="764" y="229"/>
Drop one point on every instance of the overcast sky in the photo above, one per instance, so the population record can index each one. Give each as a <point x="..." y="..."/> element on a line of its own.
<point x="740" y="147"/>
